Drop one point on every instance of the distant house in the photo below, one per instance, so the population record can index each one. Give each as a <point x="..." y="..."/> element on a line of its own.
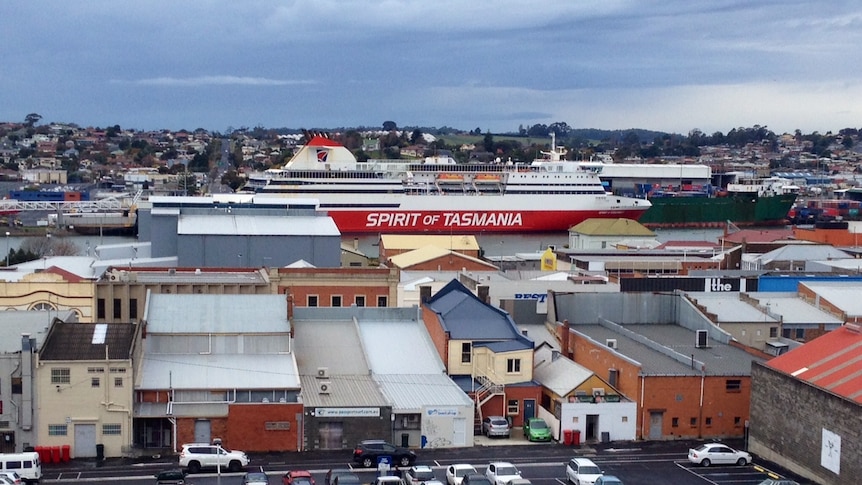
<point x="607" y="233"/>
<point x="436" y="258"/>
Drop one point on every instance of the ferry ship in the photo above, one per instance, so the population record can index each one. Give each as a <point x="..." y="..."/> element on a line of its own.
<point x="438" y="195"/>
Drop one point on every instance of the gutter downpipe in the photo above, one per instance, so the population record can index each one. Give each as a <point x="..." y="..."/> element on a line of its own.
<point x="643" y="405"/>
<point x="700" y="410"/>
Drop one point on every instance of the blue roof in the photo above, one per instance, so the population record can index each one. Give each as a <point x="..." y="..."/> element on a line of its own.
<point x="466" y="317"/>
<point x="502" y="346"/>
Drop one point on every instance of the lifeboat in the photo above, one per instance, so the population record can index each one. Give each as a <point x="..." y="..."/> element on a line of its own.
<point x="487" y="178"/>
<point x="450" y="177"/>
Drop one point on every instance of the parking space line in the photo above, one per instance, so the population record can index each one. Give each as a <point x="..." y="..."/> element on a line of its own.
<point x="770" y="473"/>
<point x="693" y="473"/>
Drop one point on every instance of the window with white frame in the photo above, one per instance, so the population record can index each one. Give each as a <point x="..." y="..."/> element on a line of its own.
<point x="513" y="406"/>
<point x="61" y="375"/>
<point x="57" y="430"/>
<point x="513" y="366"/>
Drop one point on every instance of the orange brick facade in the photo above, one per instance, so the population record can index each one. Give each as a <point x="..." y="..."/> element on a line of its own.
<point x="451" y="262"/>
<point x="251" y="427"/>
<point x="512" y="405"/>
<point x="674" y="402"/>
<point x="438" y="335"/>
<point x="326" y="287"/>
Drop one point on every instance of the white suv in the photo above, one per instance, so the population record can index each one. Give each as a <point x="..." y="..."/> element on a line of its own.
<point x="196" y="456"/>
<point x="581" y="471"/>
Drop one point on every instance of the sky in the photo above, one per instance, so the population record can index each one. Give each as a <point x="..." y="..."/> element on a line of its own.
<point x="665" y="65"/>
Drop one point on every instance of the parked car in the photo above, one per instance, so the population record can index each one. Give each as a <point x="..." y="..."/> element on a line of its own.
<point x="778" y="481"/>
<point x="388" y="480"/>
<point x="335" y="472"/>
<point x="582" y="471"/>
<point x="475" y="479"/>
<point x="500" y="472"/>
<point x="255" y="478"/>
<point x="495" y="426"/>
<point x="5" y="480"/>
<point x="298" y="477"/>
<point x="13" y="477"/>
<point x="608" y="480"/>
<point x="717" y="454"/>
<point x="455" y="473"/>
<point x="174" y="476"/>
<point x="350" y="479"/>
<point x="417" y="474"/>
<point x="367" y="453"/>
<point x="536" y="429"/>
<point x="519" y="481"/>
<point x="195" y="456"/>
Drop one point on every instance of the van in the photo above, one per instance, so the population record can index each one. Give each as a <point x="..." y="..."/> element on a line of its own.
<point x="25" y="464"/>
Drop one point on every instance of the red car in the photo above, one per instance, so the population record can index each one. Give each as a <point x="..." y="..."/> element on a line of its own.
<point x="298" y="477"/>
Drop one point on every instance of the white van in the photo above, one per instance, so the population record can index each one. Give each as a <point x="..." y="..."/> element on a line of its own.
<point x="25" y="464"/>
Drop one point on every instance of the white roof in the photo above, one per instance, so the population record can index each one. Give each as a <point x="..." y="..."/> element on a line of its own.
<point x="256" y="225"/>
<point x="330" y="344"/>
<point x="399" y="347"/>
<point x="794" y="310"/>
<point x="81" y="266"/>
<point x="16" y="323"/>
<point x="219" y="371"/>
<point x="198" y="313"/>
<point x="728" y="308"/>
<point x="413" y="392"/>
<point x="558" y="373"/>
<point x="844" y="294"/>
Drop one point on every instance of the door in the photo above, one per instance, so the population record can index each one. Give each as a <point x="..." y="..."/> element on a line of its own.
<point x="529" y="409"/>
<point x="85" y="440"/>
<point x="203" y="431"/>
<point x="655" y="425"/>
<point x="459" y="437"/>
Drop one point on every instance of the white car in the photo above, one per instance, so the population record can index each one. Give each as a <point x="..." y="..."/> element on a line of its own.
<point x="418" y="474"/>
<point x="500" y="472"/>
<point x="717" y="454"/>
<point x="455" y="473"/>
<point x="581" y="471"/>
<point x="196" y="456"/>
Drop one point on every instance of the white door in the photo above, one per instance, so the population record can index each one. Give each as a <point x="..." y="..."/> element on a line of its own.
<point x="85" y="441"/>
<point x="203" y="431"/>
<point x="459" y="437"/>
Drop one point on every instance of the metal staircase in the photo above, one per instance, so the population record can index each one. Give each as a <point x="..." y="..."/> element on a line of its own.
<point x="487" y="389"/>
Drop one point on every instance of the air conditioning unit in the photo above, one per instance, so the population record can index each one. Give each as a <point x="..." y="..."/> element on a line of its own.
<point x="702" y="339"/>
<point x="324" y="387"/>
<point x="598" y="391"/>
<point x="611" y="342"/>
<point x="323" y="372"/>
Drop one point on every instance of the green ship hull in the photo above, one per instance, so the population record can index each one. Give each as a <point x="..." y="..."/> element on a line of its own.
<point x="748" y="210"/>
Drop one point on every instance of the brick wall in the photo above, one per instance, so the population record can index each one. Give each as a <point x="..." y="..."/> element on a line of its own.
<point x="261" y="427"/>
<point x="787" y="419"/>
<point x="438" y="335"/>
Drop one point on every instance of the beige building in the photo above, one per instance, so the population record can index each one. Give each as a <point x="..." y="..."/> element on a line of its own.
<point x="53" y="289"/>
<point x="84" y="386"/>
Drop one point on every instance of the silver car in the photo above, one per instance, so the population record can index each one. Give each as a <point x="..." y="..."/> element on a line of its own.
<point x="495" y="426"/>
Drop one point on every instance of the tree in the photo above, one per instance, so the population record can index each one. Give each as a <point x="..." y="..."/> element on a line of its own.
<point x="416" y="137"/>
<point x="389" y="126"/>
<point x="488" y="142"/>
<point x="31" y="119"/>
<point x="232" y="180"/>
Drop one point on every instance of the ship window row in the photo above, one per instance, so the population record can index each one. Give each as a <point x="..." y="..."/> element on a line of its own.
<point x="331" y="174"/>
<point x="556" y="192"/>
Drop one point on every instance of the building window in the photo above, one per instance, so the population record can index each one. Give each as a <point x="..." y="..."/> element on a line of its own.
<point x="773" y="332"/>
<point x="336" y="300"/>
<point x="112" y="429"/>
<point x="118" y="308"/>
<point x="693" y="422"/>
<point x="118" y="370"/>
<point x="513" y="406"/>
<point x="737" y="421"/>
<point x="360" y="300"/>
<point x="674" y="422"/>
<point x="382" y="301"/>
<point x="625" y="419"/>
<point x="707" y="421"/>
<point x="513" y="366"/>
<point x="800" y="334"/>
<point x="785" y="332"/>
<point x="95" y="370"/>
<point x="100" y="308"/>
<point x="613" y="376"/>
<point x="57" y="430"/>
<point x="94" y="382"/>
<point x="118" y="382"/>
<point x="133" y="308"/>
<point x="312" y="300"/>
<point x="466" y="352"/>
<point x="733" y="385"/>
<point x="61" y="375"/>
<point x="17" y="385"/>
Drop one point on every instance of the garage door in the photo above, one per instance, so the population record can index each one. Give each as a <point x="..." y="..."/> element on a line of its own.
<point x="85" y="441"/>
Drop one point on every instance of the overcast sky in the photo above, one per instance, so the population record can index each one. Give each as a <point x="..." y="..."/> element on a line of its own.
<point x="669" y="65"/>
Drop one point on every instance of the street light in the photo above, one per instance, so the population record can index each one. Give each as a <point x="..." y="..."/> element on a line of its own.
<point x="7" y="249"/>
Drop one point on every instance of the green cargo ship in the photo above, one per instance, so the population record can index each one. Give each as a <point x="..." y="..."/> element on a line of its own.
<point x="740" y="209"/>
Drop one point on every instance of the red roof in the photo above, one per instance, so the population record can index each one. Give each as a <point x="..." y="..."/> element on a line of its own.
<point x="319" y="141"/>
<point x="758" y="236"/>
<point x="832" y="362"/>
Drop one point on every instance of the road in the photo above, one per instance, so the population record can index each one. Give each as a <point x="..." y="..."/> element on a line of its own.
<point x="541" y="464"/>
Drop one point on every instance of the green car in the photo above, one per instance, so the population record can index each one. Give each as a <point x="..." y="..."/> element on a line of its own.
<point x="536" y="429"/>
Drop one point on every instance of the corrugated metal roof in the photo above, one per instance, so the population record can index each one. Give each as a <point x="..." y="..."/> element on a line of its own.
<point x="412" y="392"/>
<point x="399" y="347"/>
<point x="334" y="345"/>
<point x="468" y="318"/>
<point x="219" y="371"/>
<point x="559" y="374"/>
<point x="802" y="252"/>
<point x="256" y="225"/>
<point x="342" y="390"/>
<point x="794" y="310"/>
<point x="832" y="362"/>
<point x="430" y="253"/>
<point x="199" y="313"/>
<point x="728" y="308"/>
<point x="720" y="359"/>
<point x="15" y="323"/>
<point x="77" y="341"/>
<point x="612" y="227"/>
<point x="458" y="242"/>
<point x="843" y="294"/>
<point x="203" y="276"/>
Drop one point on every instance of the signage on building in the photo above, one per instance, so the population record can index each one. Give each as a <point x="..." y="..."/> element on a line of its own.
<point x="441" y="412"/>
<point x="347" y="412"/>
<point x="277" y="425"/>
<point x="723" y="284"/>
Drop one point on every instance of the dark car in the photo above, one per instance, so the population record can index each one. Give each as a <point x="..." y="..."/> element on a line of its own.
<point x="335" y="472"/>
<point x="298" y="477"/>
<point x="368" y="452"/>
<point x="171" y="477"/>
<point x="255" y="478"/>
<point x="475" y="479"/>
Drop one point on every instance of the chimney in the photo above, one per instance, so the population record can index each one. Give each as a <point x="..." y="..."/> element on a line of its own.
<point x="482" y="291"/>
<point x="356" y="244"/>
